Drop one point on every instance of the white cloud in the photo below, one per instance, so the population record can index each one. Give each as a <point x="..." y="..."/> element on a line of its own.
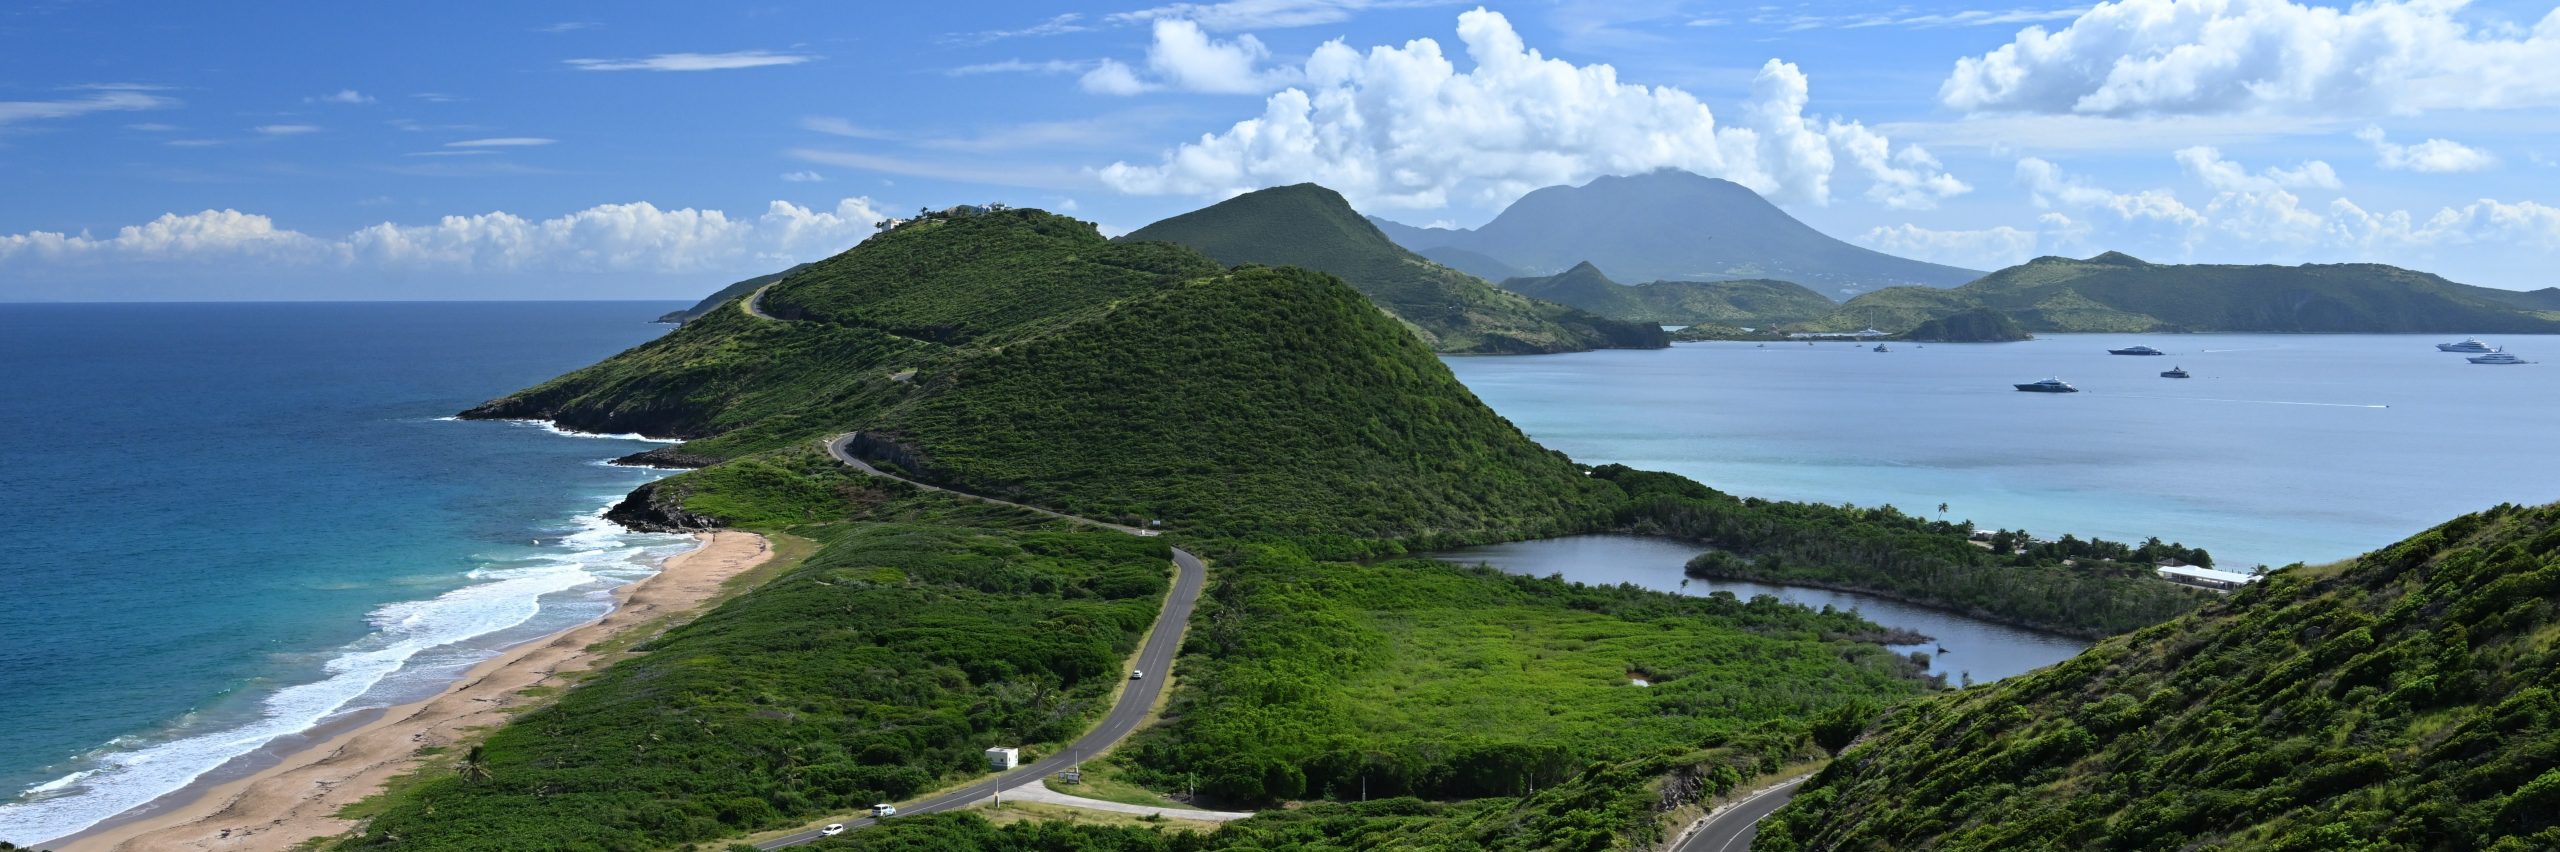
<point x="502" y="142"/>
<point x="2208" y="166"/>
<point x="152" y="127"/>
<point x="1018" y="66"/>
<point x="693" y="61"/>
<point x="285" y="129"/>
<point x="840" y="127"/>
<point x="803" y="177"/>
<point x="343" y="96"/>
<point x="567" y="26"/>
<point x="1404" y="127"/>
<point x="1984" y="248"/>
<point x="1906" y="19"/>
<point x="2433" y="155"/>
<point x="2048" y="186"/>
<point x="1234" y="15"/>
<point x="1112" y="77"/>
<point x="638" y="237"/>
<point x="2155" y="57"/>
<point x="1189" y="59"/>
<point x="1069" y="22"/>
<point x="112" y="100"/>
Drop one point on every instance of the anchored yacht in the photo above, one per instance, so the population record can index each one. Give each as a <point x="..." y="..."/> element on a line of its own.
<point x="2048" y="386"/>
<point x="2468" y="344"/>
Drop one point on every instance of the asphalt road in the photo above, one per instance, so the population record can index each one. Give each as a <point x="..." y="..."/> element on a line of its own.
<point x="1156" y="659"/>
<point x="1732" y="830"/>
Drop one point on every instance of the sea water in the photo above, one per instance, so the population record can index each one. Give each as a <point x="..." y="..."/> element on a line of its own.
<point x="2282" y="448"/>
<point x="226" y="523"/>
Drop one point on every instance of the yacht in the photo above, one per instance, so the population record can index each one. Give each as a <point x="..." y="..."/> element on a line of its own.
<point x="2174" y="373"/>
<point x="2048" y="386"/>
<point x="1880" y="348"/>
<point x="2498" y="358"/>
<point x="2468" y="344"/>
<point x="2136" y="350"/>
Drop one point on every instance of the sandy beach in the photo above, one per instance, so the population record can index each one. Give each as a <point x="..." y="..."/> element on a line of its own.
<point x="299" y="797"/>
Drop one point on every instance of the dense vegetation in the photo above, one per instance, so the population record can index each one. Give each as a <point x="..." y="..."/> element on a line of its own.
<point x="1975" y="325"/>
<point x="1316" y="680"/>
<point x="2113" y="292"/>
<point x="1020" y="354"/>
<point x="1749" y="302"/>
<point x="923" y="631"/>
<point x="1887" y="552"/>
<point x="2409" y="699"/>
<point x="724" y="294"/>
<point x="1310" y="226"/>
<point x="1672" y="225"/>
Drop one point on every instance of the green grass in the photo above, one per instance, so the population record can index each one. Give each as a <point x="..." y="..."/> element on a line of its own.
<point x="1757" y="303"/>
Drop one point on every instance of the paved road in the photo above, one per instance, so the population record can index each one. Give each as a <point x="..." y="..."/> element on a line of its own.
<point x="1731" y="830"/>
<point x="1156" y="659"/>
<point x="754" y="305"/>
<point x="836" y="447"/>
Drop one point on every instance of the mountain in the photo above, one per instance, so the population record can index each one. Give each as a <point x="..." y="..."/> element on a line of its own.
<point x="1749" y="302"/>
<point x="1471" y="263"/>
<point x="725" y="294"/>
<point x="1021" y="354"/>
<point x="2115" y="292"/>
<point x="1311" y="226"/>
<point x="2408" y="699"/>
<point x="1677" y="226"/>
<point x="1977" y="325"/>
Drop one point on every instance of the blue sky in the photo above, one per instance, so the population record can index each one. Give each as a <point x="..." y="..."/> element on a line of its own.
<point x="656" y="150"/>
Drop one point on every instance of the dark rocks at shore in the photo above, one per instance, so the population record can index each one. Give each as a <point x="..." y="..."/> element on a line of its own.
<point x="649" y="509"/>
<point x="666" y="458"/>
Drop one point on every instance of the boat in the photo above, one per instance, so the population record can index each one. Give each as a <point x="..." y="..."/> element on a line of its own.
<point x="2498" y="358"/>
<point x="2048" y="386"/>
<point x="2468" y="344"/>
<point x="2136" y="350"/>
<point x="2174" y="373"/>
<point x="1880" y="348"/>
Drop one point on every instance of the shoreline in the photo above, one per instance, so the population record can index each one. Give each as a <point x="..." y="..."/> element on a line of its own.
<point x="318" y="772"/>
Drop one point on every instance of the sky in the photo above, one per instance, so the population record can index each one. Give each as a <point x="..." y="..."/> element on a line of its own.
<point x="626" y="150"/>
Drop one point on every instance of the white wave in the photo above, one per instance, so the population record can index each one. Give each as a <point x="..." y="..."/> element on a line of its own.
<point x="408" y="635"/>
<point x="557" y="429"/>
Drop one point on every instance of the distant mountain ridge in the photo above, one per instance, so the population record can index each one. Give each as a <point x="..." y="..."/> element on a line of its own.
<point x="725" y="294"/>
<point x="2116" y="292"/>
<point x="1673" y="225"/>
<point x="1313" y="227"/>
<point x="1747" y="302"/>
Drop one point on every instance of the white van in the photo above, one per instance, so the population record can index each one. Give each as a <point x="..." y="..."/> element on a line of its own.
<point x="883" y="810"/>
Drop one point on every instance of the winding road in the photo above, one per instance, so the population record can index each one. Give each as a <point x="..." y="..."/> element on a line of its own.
<point x="1156" y="659"/>
<point x="1731" y="829"/>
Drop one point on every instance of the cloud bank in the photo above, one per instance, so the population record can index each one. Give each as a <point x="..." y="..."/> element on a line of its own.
<point x="1404" y="127"/>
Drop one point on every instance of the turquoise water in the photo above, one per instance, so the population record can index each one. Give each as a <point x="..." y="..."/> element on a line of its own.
<point x="2282" y="448"/>
<point x="230" y="521"/>
<point x="1962" y="649"/>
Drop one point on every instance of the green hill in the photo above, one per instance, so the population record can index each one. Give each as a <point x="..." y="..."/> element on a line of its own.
<point x="725" y="294"/>
<point x="1471" y="263"/>
<point x="2409" y="699"/>
<point x="1749" y="302"/>
<point x="1977" y="325"/>
<point x="1311" y="226"/>
<point x="1672" y="225"/>
<point x="1019" y="353"/>
<point x="2113" y="292"/>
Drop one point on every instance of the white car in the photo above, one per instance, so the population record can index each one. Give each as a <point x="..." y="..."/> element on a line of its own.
<point x="832" y="829"/>
<point x="1139" y="674"/>
<point x="884" y="811"/>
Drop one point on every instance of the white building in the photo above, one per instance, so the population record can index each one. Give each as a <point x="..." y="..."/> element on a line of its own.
<point x="2205" y="577"/>
<point x="1000" y="758"/>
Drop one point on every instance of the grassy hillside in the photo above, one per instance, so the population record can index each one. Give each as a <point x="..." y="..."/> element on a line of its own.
<point x="725" y="294"/>
<point x="1471" y="263"/>
<point x="2409" y="699"/>
<point x="1311" y="226"/>
<point x="1977" y="325"/>
<point x="1020" y="354"/>
<point x="1751" y="302"/>
<point x="2113" y="292"/>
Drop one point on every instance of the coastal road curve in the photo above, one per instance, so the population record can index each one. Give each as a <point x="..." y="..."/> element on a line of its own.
<point x="1156" y="659"/>
<point x="1731" y="829"/>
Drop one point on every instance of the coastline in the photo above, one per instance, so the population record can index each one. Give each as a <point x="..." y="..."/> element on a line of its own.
<point x="298" y="797"/>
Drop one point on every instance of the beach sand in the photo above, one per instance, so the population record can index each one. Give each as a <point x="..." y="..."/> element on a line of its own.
<point x="299" y="797"/>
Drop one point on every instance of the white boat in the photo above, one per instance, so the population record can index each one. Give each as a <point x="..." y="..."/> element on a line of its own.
<point x="2498" y="358"/>
<point x="2468" y="344"/>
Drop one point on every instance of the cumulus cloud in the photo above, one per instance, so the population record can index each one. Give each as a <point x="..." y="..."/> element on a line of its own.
<point x="693" y="61"/>
<point x="636" y="237"/>
<point x="1112" y="77"/>
<point x="1184" y="57"/>
<point x="2163" y="57"/>
<point x="1984" y="248"/>
<point x="2433" y="155"/>
<point x="12" y="112"/>
<point x="343" y="96"/>
<point x="2209" y="167"/>
<point x="1403" y="126"/>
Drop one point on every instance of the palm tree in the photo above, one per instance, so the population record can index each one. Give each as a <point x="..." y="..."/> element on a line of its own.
<point x="474" y="768"/>
<point x="1942" y="513"/>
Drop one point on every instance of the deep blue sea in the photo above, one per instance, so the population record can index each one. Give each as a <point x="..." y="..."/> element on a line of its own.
<point x="228" y="521"/>
<point x="2282" y="448"/>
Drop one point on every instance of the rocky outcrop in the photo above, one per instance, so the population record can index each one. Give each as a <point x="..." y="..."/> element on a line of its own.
<point x="651" y="508"/>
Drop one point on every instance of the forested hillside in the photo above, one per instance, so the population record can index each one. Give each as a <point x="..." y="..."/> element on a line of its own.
<point x="1746" y="302"/>
<point x="2408" y="699"/>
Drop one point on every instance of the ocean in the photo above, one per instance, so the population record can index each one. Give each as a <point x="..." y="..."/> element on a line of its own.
<point x="231" y="521"/>
<point x="2282" y="448"/>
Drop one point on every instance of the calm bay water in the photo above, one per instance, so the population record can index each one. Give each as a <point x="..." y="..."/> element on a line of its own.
<point x="2283" y="448"/>
<point x="230" y="521"/>
<point x="1974" y="649"/>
